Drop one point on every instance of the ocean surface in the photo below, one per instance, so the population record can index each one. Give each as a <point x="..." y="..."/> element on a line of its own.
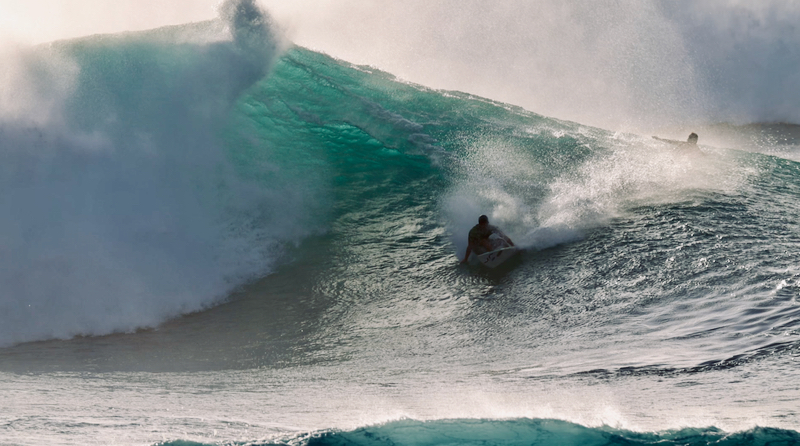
<point x="211" y="236"/>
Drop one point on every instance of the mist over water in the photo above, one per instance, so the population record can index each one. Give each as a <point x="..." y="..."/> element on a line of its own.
<point x="629" y="65"/>
<point x="642" y="66"/>
<point x="119" y="206"/>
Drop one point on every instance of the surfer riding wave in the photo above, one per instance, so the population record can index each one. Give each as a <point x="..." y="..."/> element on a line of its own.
<point x="479" y="241"/>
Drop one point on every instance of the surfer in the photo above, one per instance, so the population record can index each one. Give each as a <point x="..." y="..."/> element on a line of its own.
<point x="479" y="242"/>
<point x="689" y="145"/>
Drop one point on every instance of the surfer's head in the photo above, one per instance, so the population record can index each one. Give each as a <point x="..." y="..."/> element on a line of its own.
<point x="692" y="138"/>
<point x="482" y="220"/>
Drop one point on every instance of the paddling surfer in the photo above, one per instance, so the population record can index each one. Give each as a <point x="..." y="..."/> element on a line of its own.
<point x="690" y="145"/>
<point x="479" y="242"/>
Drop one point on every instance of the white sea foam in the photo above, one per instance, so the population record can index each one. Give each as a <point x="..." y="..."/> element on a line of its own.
<point x="119" y="208"/>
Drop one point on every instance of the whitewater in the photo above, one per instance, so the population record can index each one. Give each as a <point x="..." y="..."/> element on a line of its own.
<point x="212" y="235"/>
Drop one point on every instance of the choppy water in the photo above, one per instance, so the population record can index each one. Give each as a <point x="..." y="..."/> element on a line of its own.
<point x="208" y="243"/>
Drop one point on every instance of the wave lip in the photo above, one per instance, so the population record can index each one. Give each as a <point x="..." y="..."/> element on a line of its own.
<point x="540" y="432"/>
<point x="526" y="432"/>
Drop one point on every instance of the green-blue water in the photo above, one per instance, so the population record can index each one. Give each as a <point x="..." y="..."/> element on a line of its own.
<point x="201" y="250"/>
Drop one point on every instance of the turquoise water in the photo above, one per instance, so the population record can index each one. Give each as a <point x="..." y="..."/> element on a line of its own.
<point x="203" y="243"/>
<point x="522" y="431"/>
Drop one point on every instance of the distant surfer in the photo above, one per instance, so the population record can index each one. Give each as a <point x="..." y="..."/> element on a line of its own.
<point x="689" y="145"/>
<point x="479" y="242"/>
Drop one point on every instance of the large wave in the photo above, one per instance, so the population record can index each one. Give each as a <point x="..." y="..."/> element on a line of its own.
<point x="149" y="174"/>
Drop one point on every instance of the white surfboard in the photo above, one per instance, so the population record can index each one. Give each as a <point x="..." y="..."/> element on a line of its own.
<point x="503" y="252"/>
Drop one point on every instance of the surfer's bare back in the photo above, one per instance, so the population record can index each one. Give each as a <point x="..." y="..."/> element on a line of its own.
<point x="479" y="237"/>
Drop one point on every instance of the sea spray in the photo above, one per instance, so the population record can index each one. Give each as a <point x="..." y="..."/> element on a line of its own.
<point x="119" y="207"/>
<point x="582" y="180"/>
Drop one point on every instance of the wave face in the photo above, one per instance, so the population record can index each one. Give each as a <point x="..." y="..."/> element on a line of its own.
<point x="316" y="212"/>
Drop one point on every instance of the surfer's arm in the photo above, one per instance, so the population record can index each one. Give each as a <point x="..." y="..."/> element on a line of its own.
<point x="505" y="237"/>
<point x="466" y="256"/>
<point x="667" y="140"/>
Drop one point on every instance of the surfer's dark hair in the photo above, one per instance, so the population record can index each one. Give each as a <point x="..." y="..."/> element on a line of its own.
<point x="483" y="219"/>
<point x="692" y="137"/>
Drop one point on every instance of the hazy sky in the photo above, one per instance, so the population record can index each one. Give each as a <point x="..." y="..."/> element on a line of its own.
<point x="36" y="21"/>
<point x="617" y="64"/>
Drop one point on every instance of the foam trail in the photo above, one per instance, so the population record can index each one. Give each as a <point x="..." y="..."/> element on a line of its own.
<point x="119" y="208"/>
